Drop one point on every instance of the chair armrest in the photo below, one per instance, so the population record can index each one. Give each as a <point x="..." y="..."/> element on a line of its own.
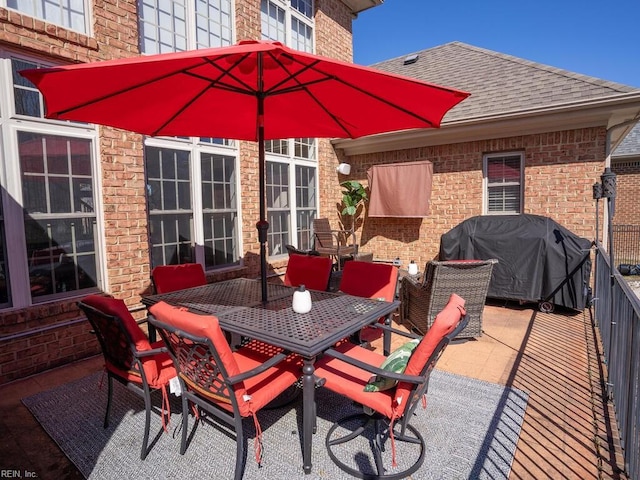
<point x="412" y="287"/>
<point x="349" y="233"/>
<point x="382" y="326"/>
<point x="374" y="370"/>
<point x="273" y="361"/>
<point x="412" y="281"/>
<point x="150" y="353"/>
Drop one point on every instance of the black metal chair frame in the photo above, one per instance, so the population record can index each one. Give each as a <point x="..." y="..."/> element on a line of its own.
<point x="119" y="350"/>
<point x="379" y="422"/>
<point x="192" y="354"/>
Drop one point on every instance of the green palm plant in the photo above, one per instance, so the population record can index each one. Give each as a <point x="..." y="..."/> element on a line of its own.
<point x="354" y="196"/>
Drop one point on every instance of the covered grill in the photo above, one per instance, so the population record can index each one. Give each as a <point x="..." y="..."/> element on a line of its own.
<point x="538" y="259"/>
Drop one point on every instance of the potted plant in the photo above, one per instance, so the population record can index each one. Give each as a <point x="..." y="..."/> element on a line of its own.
<point x="354" y="196"/>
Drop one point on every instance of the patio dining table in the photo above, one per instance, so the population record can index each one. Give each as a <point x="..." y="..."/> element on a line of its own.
<point x="238" y="306"/>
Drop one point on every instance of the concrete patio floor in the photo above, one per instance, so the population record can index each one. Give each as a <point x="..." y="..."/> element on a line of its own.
<point x="568" y="430"/>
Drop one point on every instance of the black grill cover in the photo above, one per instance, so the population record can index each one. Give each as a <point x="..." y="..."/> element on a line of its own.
<point x="539" y="259"/>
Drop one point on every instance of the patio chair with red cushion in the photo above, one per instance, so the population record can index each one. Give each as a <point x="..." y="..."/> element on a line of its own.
<point x="230" y="385"/>
<point x="370" y="280"/>
<point x="169" y="278"/>
<point x="389" y="393"/>
<point x="129" y="357"/>
<point x="311" y="271"/>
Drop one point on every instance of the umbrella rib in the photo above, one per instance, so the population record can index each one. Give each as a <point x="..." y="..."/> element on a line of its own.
<point x="292" y="76"/>
<point x="354" y="87"/>
<point x="97" y="100"/>
<point x="124" y="90"/>
<point x="180" y="110"/>
<point x="387" y="102"/>
<point x="303" y="86"/>
<point x="228" y="72"/>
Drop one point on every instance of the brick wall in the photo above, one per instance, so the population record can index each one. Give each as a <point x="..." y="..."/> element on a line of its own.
<point x="560" y="169"/>
<point x="628" y="191"/>
<point x="45" y="336"/>
<point x="53" y="334"/>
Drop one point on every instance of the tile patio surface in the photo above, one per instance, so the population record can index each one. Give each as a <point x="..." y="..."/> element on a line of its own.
<point x="567" y="430"/>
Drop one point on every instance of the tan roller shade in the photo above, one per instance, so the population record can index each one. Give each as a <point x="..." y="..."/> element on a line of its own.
<point x="400" y="189"/>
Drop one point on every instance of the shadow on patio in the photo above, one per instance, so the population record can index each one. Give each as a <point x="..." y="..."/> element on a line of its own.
<point x="567" y="431"/>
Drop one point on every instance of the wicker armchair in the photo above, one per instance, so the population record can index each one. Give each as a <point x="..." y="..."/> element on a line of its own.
<point x="421" y="301"/>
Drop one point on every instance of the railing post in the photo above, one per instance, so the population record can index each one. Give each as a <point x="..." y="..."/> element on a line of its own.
<point x="608" y="179"/>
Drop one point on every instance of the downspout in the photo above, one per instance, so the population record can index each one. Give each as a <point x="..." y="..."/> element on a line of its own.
<point x="607" y="164"/>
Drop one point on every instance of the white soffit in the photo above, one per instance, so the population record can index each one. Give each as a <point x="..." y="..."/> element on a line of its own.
<point x="357" y="6"/>
<point x="605" y="113"/>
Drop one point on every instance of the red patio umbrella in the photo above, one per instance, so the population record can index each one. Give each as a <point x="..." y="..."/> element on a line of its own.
<point x="254" y="90"/>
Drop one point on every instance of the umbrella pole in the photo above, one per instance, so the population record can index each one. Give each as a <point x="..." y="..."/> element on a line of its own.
<point x="262" y="225"/>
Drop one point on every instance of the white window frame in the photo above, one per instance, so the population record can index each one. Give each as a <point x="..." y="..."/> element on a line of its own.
<point x="192" y="24"/>
<point x="195" y="147"/>
<point x="290" y="13"/>
<point x="293" y="161"/>
<point x="286" y="35"/>
<point x="486" y="186"/>
<point x="11" y="182"/>
<point x="37" y="10"/>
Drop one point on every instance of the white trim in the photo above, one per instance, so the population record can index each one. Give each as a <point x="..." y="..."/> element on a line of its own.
<point x="604" y="112"/>
<point x="485" y="181"/>
<point x="88" y="17"/>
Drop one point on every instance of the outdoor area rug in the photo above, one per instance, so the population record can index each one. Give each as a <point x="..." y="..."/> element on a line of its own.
<point x="470" y="427"/>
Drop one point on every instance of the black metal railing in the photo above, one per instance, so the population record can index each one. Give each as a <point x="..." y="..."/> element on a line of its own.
<point x="626" y="243"/>
<point x="617" y="314"/>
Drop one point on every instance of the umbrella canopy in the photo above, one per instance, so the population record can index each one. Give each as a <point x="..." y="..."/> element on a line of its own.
<point x="254" y="90"/>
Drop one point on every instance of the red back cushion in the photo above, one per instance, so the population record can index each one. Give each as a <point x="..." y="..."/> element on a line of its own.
<point x="169" y="278"/>
<point x="200" y="326"/>
<point x="117" y="308"/>
<point x="370" y="280"/>
<point x="444" y="323"/>
<point x="309" y="270"/>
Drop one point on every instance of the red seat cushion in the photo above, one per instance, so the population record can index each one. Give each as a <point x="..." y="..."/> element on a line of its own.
<point x="156" y="368"/>
<point x="349" y="380"/>
<point x="309" y="270"/>
<point x="260" y="389"/>
<point x="169" y="278"/>
<point x="160" y="363"/>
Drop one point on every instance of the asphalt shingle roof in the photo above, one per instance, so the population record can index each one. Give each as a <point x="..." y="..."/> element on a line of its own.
<point x="631" y="143"/>
<point x="499" y="83"/>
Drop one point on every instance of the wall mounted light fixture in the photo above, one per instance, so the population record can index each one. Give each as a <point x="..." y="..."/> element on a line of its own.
<point x="344" y="169"/>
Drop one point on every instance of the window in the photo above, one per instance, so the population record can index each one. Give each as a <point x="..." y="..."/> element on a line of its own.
<point x="291" y="193"/>
<point x="291" y="163"/>
<point x="289" y="22"/>
<point x="178" y="25"/>
<point x="181" y="229"/>
<point x="503" y="183"/>
<point x="305" y="205"/>
<point x="219" y="209"/>
<point x="170" y="212"/>
<point x="4" y="286"/>
<point x="48" y="176"/>
<point x="71" y="14"/>
<point x="191" y="182"/>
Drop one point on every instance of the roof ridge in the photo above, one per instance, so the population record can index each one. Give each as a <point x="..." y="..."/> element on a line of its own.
<point x="542" y="66"/>
<point x="417" y="52"/>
